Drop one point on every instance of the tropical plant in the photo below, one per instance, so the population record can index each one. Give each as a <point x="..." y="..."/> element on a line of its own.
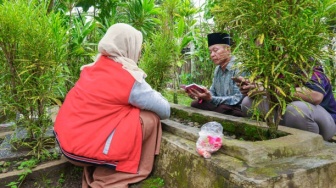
<point x="81" y="48"/>
<point x="177" y="19"/>
<point x="162" y="51"/>
<point x="183" y="30"/>
<point x="202" y="67"/>
<point x="105" y="12"/>
<point x="157" y="60"/>
<point x="331" y="62"/>
<point x="275" y="40"/>
<point x="208" y="6"/>
<point x="84" y="33"/>
<point x="142" y="15"/>
<point x="81" y="40"/>
<point x="32" y="50"/>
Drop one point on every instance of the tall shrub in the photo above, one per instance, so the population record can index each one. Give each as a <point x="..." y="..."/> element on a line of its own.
<point x="81" y="39"/>
<point x="275" y="39"/>
<point x="31" y="52"/>
<point x="142" y="15"/>
<point x="163" y="55"/>
<point x="203" y="67"/>
<point x="157" y="60"/>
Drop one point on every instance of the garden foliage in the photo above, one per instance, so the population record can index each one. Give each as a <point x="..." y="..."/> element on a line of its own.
<point x="276" y="41"/>
<point x="31" y="52"/>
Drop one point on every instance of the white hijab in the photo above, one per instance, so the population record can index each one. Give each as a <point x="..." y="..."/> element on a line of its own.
<point x="122" y="43"/>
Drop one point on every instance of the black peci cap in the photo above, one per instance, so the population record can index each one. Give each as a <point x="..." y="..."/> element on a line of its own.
<point x="219" y="38"/>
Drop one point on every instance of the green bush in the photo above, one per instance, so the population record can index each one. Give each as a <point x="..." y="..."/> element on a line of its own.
<point x="275" y="40"/>
<point x="157" y="60"/>
<point x="32" y="52"/>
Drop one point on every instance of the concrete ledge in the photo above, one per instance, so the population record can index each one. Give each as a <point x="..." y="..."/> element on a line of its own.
<point x="296" y="143"/>
<point x="180" y="166"/>
<point x="301" y="159"/>
<point x="53" y="167"/>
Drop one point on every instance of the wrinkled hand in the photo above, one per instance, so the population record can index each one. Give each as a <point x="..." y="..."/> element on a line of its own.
<point x="244" y="89"/>
<point x="194" y="94"/>
<point x="244" y="85"/>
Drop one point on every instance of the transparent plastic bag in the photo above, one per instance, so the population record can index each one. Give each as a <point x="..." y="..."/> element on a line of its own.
<point x="210" y="139"/>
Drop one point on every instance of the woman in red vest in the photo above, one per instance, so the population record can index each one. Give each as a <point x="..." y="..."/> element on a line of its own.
<point x="110" y="120"/>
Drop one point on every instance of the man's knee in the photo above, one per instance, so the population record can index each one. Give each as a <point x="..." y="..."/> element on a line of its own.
<point x="246" y="106"/>
<point x="194" y="104"/>
<point x="298" y="109"/>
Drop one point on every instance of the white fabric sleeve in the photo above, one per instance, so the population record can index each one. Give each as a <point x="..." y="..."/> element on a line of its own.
<point x="144" y="97"/>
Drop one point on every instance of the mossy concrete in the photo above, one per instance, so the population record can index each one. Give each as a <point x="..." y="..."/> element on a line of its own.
<point x="295" y="143"/>
<point x="300" y="159"/>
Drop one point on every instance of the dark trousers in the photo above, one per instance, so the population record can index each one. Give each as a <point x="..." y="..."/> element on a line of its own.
<point x="234" y="110"/>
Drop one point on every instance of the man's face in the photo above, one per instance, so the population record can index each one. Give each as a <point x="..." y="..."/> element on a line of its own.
<point x="220" y="53"/>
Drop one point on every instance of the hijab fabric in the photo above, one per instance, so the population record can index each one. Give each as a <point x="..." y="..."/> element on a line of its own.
<point x="122" y="43"/>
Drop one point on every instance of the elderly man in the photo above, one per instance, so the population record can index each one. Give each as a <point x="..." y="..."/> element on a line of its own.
<point x="224" y="95"/>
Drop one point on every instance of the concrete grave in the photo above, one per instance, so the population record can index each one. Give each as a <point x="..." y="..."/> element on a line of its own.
<point x="299" y="159"/>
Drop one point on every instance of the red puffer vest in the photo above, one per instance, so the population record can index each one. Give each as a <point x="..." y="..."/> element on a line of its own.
<point x="96" y="124"/>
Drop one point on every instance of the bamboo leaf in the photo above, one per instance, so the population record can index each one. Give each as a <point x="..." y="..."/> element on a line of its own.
<point x="279" y="90"/>
<point x="274" y="20"/>
<point x="271" y="111"/>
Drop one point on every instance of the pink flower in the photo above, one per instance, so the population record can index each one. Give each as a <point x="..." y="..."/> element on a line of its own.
<point x="213" y="140"/>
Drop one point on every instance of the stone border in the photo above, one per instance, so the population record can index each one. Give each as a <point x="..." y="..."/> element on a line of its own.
<point x="296" y="143"/>
<point x="52" y="166"/>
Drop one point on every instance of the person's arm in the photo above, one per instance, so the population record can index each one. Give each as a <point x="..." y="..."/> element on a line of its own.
<point x="314" y="90"/>
<point x="233" y="99"/>
<point x="146" y="98"/>
<point x="309" y="95"/>
<point x="302" y="93"/>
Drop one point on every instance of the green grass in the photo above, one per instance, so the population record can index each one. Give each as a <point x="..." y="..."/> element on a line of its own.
<point x="182" y="97"/>
<point x="153" y="182"/>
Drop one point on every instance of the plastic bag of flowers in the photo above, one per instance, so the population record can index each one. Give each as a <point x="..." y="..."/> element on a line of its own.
<point x="210" y="139"/>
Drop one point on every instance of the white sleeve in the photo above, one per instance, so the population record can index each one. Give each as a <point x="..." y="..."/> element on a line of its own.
<point x="146" y="98"/>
